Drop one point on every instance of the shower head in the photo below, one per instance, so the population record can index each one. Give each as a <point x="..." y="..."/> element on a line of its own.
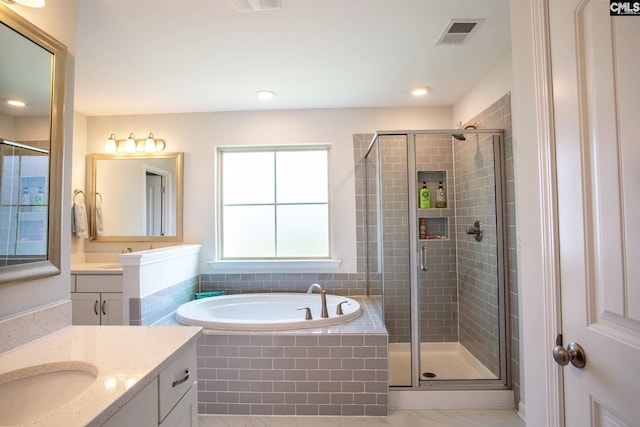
<point x="460" y="137"/>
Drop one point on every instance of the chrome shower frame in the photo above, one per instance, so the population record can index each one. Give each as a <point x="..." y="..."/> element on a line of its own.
<point x="504" y="382"/>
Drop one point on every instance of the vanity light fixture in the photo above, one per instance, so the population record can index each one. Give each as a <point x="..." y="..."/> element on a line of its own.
<point x="133" y="145"/>
<point x="421" y="91"/>
<point x="28" y="3"/>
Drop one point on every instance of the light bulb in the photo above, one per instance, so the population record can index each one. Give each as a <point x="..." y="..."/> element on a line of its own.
<point x="130" y="144"/>
<point x="110" y="146"/>
<point x="150" y="144"/>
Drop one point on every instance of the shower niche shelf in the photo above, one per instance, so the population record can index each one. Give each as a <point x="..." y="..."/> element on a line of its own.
<point x="437" y="228"/>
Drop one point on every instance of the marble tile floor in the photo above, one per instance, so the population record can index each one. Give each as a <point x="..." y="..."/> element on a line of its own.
<point x="396" y="418"/>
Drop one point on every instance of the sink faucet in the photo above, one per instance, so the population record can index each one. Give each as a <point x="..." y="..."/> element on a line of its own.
<point x="127" y="250"/>
<point x="323" y="294"/>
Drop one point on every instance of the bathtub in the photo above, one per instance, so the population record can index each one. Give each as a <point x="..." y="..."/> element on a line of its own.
<point x="266" y="311"/>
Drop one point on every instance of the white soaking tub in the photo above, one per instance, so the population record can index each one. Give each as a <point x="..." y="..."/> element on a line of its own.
<point x="277" y="311"/>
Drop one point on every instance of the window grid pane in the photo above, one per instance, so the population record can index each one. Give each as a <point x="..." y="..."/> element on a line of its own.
<point x="287" y="216"/>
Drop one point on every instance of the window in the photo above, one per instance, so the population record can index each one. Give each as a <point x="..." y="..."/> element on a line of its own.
<point x="273" y="203"/>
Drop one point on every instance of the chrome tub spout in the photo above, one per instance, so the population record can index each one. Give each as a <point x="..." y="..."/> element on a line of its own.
<point x="323" y="294"/>
<point x="314" y="287"/>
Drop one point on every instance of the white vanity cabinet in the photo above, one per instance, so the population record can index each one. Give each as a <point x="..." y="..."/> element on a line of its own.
<point x="170" y="400"/>
<point x="96" y="299"/>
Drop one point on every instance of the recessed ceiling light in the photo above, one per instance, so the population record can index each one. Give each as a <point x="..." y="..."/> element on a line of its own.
<point x="421" y="91"/>
<point x="15" y="102"/>
<point x="265" y="95"/>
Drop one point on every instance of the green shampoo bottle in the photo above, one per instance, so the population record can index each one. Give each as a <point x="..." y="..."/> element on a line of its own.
<point x="424" y="197"/>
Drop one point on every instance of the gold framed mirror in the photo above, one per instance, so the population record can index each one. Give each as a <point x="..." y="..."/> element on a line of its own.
<point x="31" y="149"/>
<point x="135" y="197"/>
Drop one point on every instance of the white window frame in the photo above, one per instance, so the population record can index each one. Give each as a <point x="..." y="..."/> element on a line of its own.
<point x="269" y="264"/>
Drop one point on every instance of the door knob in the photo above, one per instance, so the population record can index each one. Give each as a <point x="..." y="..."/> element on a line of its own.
<point x="574" y="353"/>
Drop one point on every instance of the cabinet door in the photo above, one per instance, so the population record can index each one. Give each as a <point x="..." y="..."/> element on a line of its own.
<point x="85" y="308"/>
<point x="185" y="413"/>
<point x="140" y="411"/>
<point x="111" y="309"/>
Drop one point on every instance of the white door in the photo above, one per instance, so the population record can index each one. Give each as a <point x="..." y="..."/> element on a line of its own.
<point x="154" y="204"/>
<point x="596" y="92"/>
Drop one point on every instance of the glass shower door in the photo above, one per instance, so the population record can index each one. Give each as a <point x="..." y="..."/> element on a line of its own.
<point x="393" y="193"/>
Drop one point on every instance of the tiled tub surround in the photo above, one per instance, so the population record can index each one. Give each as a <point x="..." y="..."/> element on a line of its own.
<point x="340" y="370"/>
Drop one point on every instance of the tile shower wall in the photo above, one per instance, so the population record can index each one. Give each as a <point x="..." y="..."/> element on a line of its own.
<point x="498" y="116"/>
<point x="478" y="285"/>
<point x="438" y="286"/>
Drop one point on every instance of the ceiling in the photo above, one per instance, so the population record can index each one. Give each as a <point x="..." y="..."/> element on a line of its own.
<point x="160" y="56"/>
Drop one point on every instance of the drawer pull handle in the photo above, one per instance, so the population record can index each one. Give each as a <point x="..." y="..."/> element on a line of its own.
<point x="181" y="380"/>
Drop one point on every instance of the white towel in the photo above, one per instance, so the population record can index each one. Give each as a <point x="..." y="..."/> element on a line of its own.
<point x="80" y="220"/>
<point x="99" y="219"/>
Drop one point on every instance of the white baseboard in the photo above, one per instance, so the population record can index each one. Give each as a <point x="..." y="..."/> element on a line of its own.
<point x="451" y="399"/>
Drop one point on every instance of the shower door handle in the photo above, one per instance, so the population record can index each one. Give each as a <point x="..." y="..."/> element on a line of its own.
<point x="423" y="258"/>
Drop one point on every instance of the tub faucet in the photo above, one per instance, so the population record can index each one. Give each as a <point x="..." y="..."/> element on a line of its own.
<point x="127" y="250"/>
<point x="323" y="294"/>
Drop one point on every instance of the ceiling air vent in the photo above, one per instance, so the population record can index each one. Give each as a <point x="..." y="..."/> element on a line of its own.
<point x="255" y="5"/>
<point x="458" y="31"/>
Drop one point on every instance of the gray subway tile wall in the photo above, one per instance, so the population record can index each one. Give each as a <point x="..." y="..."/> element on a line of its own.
<point x="159" y="307"/>
<point x="346" y="284"/>
<point x="498" y="116"/>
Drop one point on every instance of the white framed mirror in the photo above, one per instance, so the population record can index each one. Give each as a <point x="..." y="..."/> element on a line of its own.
<point x="33" y="71"/>
<point x="135" y="197"/>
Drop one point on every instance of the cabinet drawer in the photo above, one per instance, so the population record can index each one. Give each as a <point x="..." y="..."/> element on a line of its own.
<point x="174" y="383"/>
<point x="98" y="283"/>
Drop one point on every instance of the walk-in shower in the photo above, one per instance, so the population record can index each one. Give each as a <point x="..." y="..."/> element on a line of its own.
<point x="440" y="269"/>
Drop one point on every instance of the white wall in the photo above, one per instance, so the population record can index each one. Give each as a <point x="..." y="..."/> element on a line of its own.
<point x="57" y="18"/>
<point x="497" y="83"/>
<point x="197" y="135"/>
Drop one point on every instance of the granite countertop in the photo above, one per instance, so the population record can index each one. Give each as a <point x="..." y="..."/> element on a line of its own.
<point x="127" y="358"/>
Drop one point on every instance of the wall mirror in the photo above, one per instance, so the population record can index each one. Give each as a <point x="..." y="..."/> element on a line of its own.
<point x="32" y="70"/>
<point x="135" y="197"/>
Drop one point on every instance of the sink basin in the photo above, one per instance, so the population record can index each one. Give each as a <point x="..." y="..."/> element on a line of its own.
<point x="27" y="393"/>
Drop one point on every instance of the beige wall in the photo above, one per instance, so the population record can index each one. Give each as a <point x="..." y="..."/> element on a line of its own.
<point x="198" y="134"/>
<point x="57" y="18"/>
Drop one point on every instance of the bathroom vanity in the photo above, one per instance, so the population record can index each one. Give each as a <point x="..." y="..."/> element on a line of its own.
<point x="96" y="293"/>
<point x="111" y="376"/>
